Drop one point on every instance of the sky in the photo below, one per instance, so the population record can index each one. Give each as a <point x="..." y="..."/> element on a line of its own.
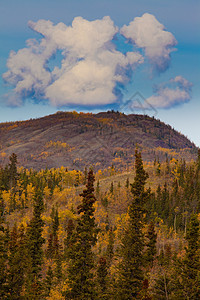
<point x="140" y="56"/>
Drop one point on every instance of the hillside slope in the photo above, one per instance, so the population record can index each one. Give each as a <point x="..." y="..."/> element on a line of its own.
<point x="77" y="140"/>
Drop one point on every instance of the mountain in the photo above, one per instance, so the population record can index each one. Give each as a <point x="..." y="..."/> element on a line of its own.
<point x="75" y="140"/>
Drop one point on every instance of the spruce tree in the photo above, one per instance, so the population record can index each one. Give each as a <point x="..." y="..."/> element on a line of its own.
<point x="48" y="281"/>
<point x="102" y="279"/>
<point x="13" y="170"/>
<point x="111" y="188"/>
<point x="110" y="247"/>
<point x="188" y="270"/>
<point x="151" y="237"/>
<point x="131" y="274"/>
<point x="35" y="243"/>
<point x="53" y="246"/>
<point x="3" y="254"/>
<point x="80" y="255"/>
<point x="127" y="183"/>
<point x="68" y="242"/>
<point x="97" y="188"/>
<point x="16" y="262"/>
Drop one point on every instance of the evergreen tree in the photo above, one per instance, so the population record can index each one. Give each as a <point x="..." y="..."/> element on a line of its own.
<point x="13" y="170"/>
<point x="3" y="254"/>
<point x="198" y="160"/>
<point x="111" y="188"/>
<point x="16" y="262"/>
<point x="48" y="281"/>
<point x="50" y="248"/>
<point x="158" y="200"/>
<point x="97" y="188"/>
<point x="110" y="247"/>
<point x="158" y="170"/>
<point x="68" y="242"/>
<point x="4" y="182"/>
<point x="85" y="175"/>
<point x="189" y="267"/>
<point x="127" y="183"/>
<point x="34" y="243"/>
<point x="151" y="244"/>
<point x="81" y="258"/>
<point x="165" y="202"/>
<point x="102" y="280"/>
<point x="58" y="269"/>
<point x="167" y="166"/>
<point x="53" y="252"/>
<point x="131" y="275"/>
<point x="53" y="243"/>
<point x="13" y="278"/>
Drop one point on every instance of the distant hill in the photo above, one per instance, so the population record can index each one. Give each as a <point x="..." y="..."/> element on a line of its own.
<point x="75" y="140"/>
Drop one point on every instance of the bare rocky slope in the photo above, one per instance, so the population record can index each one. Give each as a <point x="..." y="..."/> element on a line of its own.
<point x="75" y="140"/>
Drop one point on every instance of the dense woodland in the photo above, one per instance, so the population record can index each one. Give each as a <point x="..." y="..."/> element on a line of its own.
<point x="67" y="234"/>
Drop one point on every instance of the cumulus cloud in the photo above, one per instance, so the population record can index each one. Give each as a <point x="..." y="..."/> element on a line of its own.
<point x="146" y="32"/>
<point x="91" y="66"/>
<point x="175" y="92"/>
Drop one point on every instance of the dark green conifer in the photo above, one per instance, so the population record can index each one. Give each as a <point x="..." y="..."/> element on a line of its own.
<point x="132" y="262"/>
<point x="53" y="243"/>
<point x="111" y="188"/>
<point x="151" y="237"/>
<point x="97" y="188"/>
<point x="16" y="262"/>
<point x="35" y="243"/>
<point x="3" y="254"/>
<point x="102" y="279"/>
<point x="110" y="247"/>
<point x="68" y="240"/>
<point x="81" y="258"/>
<point x="158" y="170"/>
<point x="13" y="170"/>
<point x="127" y="183"/>
<point x="188" y="270"/>
<point x="48" y="281"/>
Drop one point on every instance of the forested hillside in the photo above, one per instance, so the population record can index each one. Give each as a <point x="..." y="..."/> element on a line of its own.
<point x="106" y="234"/>
<point x="76" y="140"/>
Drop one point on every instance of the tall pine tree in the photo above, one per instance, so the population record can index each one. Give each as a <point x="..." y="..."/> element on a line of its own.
<point x="188" y="269"/>
<point x="35" y="243"/>
<point x="16" y="262"/>
<point x="3" y="253"/>
<point x="151" y="237"/>
<point x="80" y="255"/>
<point x="131" y="275"/>
<point x="12" y="167"/>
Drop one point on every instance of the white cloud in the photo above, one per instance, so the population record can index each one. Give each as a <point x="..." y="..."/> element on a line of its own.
<point x="90" y="68"/>
<point x="182" y="82"/>
<point x="91" y="80"/>
<point x="147" y="33"/>
<point x="12" y="99"/>
<point x="27" y="69"/>
<point x="83" y="38"/>
<point x="175" y="92"/>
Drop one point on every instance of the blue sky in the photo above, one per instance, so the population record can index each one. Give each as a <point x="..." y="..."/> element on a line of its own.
<point x="168" y="77"/>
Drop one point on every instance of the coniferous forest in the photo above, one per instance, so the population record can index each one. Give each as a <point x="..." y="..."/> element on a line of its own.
<point x="67" y="234"/>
